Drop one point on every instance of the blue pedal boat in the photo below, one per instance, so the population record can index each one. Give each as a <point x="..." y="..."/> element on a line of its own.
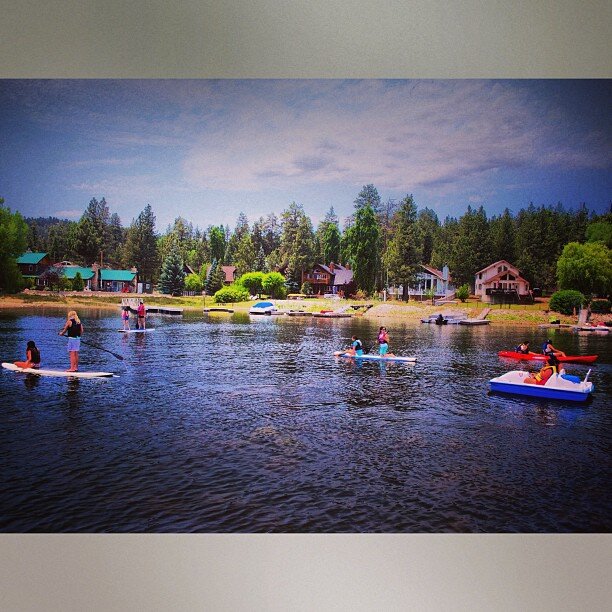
<point x="558" y="386"/>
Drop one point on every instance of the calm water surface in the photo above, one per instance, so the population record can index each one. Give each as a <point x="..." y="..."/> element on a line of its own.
<point x="248" y="424"/>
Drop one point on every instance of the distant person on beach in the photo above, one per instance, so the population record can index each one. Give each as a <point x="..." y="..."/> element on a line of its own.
<point x="142" y="314"/>
<point x="73" y="328"/>
<point x="383" y="343"/>
<point x="548" y="349"/>
<point x="523" y="348"/>
<point x="32" y="357"/>
<point x="125" y="316"/>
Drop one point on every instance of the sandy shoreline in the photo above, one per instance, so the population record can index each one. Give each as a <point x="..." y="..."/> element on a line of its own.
<point x="400" y="311"/>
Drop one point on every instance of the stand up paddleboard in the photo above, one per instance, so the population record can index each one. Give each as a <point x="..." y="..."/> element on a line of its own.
<point x="41" y="372"/>
<point x="370" y="357"/>
<point x="136" y="331"/>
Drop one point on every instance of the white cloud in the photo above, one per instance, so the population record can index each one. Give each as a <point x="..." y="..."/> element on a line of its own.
<point x="67" y="214"/>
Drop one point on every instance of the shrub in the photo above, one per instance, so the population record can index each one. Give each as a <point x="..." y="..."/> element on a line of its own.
<point x="231" y="293"/>
<point x="252" y="281"/>
<point x="600" y="306"/>
<point x="78" y="284"/>
<point x="306" y="288"/>
<point x="274" y="285"/>
<point x="360" y="294"/>
<point x="463" y="293"/>
<point x="566" y="301"/>
<point x="193" y="282"/>
<point x="64" y="284"/>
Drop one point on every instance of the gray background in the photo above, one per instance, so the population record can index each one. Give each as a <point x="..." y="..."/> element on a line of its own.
<point x="314" y="39"/>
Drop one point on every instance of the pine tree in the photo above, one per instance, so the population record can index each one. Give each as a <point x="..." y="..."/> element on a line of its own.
<point x="403" y="254"/>
<point x="141" y="246"/>
<point x="172" y="277"/>
<point x="297" y="242"/>
<point x="13" y="242"/>
<point x="362" y="248"/>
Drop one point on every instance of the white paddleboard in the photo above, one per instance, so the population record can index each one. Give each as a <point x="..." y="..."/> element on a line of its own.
<point x="371" y="357"/>
<point x="41" y="372"/>
<point x="136" y="331"/>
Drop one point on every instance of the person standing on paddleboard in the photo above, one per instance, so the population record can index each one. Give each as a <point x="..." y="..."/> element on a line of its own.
<point x="383" y="343"/>
<point x="125" y="317"/>
<point x="74" y="330"/>
<point x="142" y="313"/>
<point x="32" y="357"/>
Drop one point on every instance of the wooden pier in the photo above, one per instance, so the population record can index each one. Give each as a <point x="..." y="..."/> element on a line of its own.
<point x="132" y="304"/>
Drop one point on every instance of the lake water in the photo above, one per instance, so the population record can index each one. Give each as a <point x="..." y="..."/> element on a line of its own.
<point x="231" y="423"/>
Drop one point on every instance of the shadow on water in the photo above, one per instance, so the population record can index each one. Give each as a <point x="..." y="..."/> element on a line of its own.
<point x="246" y="424"/>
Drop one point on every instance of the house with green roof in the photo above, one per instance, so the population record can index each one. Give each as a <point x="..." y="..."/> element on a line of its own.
<point x="32" y="265"/>
<point x="116" y="280"/>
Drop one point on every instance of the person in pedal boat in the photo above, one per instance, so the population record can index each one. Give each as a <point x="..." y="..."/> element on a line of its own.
<point x="356" y="347"/>
<point x="523" y="348"/>
<point x="545" y="373"/>
<point x="548" y="349"/>
<point x="32" y="357"/>
<point x="125" y="316"/>
<point x="73" y="328"/>
<point x="142" y="313"/>
<point x="383" y="343"/>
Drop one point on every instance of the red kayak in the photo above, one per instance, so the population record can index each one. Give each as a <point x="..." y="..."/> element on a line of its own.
<point x="540" y="357"/>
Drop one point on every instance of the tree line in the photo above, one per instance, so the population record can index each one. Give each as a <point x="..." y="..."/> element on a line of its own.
<point x="383" y="242"/>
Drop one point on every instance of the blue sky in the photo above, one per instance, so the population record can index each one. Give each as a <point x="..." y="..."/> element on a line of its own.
<point x="209" y="149"/>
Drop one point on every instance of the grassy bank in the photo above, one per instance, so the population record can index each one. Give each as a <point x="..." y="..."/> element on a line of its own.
<point x="531" y="314"/>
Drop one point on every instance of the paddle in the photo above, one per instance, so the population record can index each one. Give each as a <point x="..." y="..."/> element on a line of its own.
<point x="102" y="349"/>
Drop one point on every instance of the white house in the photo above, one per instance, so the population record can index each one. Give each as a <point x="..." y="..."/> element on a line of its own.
<point x="428" y="278"/>
<point x="500" y="279"/>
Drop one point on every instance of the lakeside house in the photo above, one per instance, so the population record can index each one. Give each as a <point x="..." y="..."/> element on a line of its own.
<point x="33" y="265"/>
<point x="427" y="279"/>
<point x="335" y="278"/>
<point x="501" y="282"/>
<point x="228" y="271"/>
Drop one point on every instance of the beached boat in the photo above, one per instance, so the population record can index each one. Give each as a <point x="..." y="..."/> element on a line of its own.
<point x="298" y="313"/>
<point x="474" y="322"/>
<point x="334" y="314"/>
<point x="541" y="357"/>
<point x="263" y="308"/>
<point x="599" y="329"/>
<point x="558" y="386"/>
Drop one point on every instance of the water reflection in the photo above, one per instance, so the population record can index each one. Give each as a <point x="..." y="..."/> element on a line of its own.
<point x="252" y="425"/>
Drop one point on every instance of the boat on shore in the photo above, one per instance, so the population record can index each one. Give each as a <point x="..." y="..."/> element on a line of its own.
<point x="558" y="386"/>
<point x="474" y="322"/>
<point x="541" y="357"/>
<point x="334" y="314"/>
<point x="598" y="329"/>
<point x="263" y="308"/>
<point x="445" y="318"/>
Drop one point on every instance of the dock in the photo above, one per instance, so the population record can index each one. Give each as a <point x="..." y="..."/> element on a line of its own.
<point x="132" y="304"/>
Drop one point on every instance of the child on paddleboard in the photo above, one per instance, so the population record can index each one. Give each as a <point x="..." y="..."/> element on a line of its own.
<point x="125" y="316"/>
<point x="32" y="357"/>
<point x="383" y="343"/>
<point x="73" y="328"/>
<point x="356" y="347"/>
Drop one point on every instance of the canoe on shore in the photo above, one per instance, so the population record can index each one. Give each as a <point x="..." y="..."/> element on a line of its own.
<point x="540" y="357"/>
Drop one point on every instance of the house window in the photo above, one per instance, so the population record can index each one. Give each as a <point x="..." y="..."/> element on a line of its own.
<point x="479" y="287"/>
<point x="30" y="268"/>
<point x="480" y="276"/>
<point x="499" y="269"/>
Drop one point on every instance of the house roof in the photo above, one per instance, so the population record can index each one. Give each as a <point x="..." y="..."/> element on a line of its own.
<point x="30" y="258"/>
<point x="227" y="270"/>
<point x="117" y="275"/>
<point x="71" y="271"/>
<point x="340" y="274"/>
<point x="498" y="277"/>
<point x="497" y="263"/>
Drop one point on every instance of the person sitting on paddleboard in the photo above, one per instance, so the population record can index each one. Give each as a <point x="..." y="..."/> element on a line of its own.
<point x="383" y="343"/>
<point x="356" y="347"/>
<point x="523" y="348"/>
<point x="32" y="357"/>
<point x="73" y="328"/>
<point x="142" y="313"/>
<point x="125" y="316"/>
<point x="548" y="349"/>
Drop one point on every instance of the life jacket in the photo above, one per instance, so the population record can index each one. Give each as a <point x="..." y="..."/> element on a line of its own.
<point x="544" y="374"/>
<point x="357" y="345"/>
<point x="141" y="310"/>
<point x="381" y="338"/>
